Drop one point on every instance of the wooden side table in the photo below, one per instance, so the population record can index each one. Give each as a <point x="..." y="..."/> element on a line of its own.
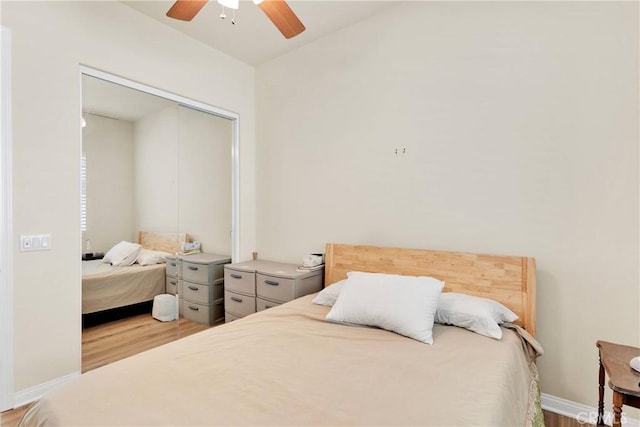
<point x="623" y="380"/>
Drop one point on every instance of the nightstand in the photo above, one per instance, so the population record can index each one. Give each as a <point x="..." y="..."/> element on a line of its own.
<point x="199" y="281"/>
<point x="623" y="380"/>
<point x="92" y="255"/>
<point x="252" y="286"/>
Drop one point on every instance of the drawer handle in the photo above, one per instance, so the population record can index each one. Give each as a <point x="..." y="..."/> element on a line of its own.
<point x="236" y="276"/>
<point x="268" y="306"/>
<point x="193" y="288"/>
<point x="271" y="282"/>
<point x="191" y="267"/>
<point x="193" y="308"/>
<point x="173" y="264"/>
<point x="173" y="282"/>
<point x="236" y="299"/>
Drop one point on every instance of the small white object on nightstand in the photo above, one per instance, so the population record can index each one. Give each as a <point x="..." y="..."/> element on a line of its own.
<point x="312" y="260"/>
<point x="635" y="363"/>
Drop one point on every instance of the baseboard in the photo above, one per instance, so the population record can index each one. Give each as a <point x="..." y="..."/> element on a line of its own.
<point x="34" y="393"/>
<point x="582" y="413"/>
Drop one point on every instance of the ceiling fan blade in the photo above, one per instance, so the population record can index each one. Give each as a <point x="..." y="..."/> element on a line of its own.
<point x="279" y="12"/>
<point x="185" y="10"/>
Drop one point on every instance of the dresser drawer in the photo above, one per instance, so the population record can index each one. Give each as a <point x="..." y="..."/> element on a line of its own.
<point x="204" y="314"/>
<point x="203" y="294"/>
<point x="172" y="285"/>
<point x="201" y="273"/>
<point x="195" y="292"/>
<point x="275" y="288"/>
<point x="264" y="304"/>
<point x="240" y="281"/>
<point x="172" y="267"/>
<point x="240" y="305"/>
<point x="192" y="272"/>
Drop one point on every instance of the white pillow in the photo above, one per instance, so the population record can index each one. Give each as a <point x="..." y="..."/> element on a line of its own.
<point x="148" y="257"/>
<point x="328" y="295"/>
<point x="402" y="304"/>
<point x="480" y="315"/>
<point x="122" y="254"/>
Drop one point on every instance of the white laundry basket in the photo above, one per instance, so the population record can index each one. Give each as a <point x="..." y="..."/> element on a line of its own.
<point x="164" y="308"/>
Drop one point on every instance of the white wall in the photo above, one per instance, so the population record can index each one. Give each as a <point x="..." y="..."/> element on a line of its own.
<point x="520" y="123"/>
<point x="183" y="176"/>
<point x="50" y="41"/>
<point x="205" y="179"/>
<point x="108" y="147"/>
<point x="156" y="171"/>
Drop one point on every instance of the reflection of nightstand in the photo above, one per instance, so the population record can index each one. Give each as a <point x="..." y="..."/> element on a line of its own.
<point x="623" y="380"/>
<point x="202" y="277"/>
<point x="92" y="255"/>
<point x="198" y="279"/>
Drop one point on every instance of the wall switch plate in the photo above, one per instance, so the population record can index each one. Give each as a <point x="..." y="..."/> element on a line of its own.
<point x="35" y="242"/>
<point x="45" y="241"/>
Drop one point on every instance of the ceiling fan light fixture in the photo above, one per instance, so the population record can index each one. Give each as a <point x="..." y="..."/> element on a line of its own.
<point x="278" y="11"/>
<point x="231" y="4"/>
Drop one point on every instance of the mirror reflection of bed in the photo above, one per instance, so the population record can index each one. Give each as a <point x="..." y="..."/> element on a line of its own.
<point x="129" y="277"/>
<point x="152" y="169"/>
<point x="117" y="299"/>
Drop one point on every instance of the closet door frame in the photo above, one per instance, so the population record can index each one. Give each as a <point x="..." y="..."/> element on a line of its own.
<point x="7" y="395"/>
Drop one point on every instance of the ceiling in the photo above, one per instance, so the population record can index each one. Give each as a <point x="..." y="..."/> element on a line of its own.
<point x="254" y="39"/>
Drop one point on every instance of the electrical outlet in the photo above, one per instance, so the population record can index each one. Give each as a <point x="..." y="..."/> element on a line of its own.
<point x="25" y="243"/>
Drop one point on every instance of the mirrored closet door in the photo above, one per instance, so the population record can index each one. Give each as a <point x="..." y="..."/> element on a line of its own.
<point x="156" y="173"/>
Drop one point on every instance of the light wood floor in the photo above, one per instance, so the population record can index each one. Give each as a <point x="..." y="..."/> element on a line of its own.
<point x="109" y="342"/>
<point x="104" y="344"/>
<point x="552" y="419"/>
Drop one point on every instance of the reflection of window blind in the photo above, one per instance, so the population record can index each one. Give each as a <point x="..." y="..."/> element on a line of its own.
<point x="83" y="193"/>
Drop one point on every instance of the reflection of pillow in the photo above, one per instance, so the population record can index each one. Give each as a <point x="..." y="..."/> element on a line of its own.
<point x="148" y="257"/>
<point x="122" y="254"/>
<point x="480" y="315"/>
<point x="328" y="295"/>
<point x="402" y="304"/>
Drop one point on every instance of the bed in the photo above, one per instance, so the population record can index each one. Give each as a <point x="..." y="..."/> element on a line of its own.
<point x="289" y="366"/>
<point x="106" y="287"/>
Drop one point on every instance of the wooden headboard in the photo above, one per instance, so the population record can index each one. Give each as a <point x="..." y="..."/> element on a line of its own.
<point x="167" y="242"/>
<point x="510" y="280"/>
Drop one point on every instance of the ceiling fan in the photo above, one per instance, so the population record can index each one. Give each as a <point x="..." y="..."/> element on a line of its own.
<point x="278" y="11"/>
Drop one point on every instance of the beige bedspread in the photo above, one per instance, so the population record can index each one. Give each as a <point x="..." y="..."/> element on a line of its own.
<point x="288" y="366"/>
<point x="105" y="286"/>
